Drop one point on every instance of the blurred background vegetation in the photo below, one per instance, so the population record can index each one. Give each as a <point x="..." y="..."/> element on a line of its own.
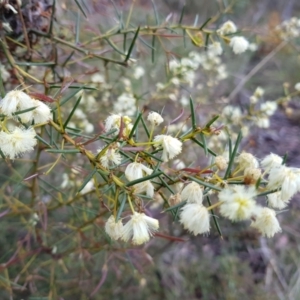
<point x="64" y="253"/>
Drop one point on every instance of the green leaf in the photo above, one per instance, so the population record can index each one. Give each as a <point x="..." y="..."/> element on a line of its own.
<point x="135" y="125"/>
<point x="72" y="112"/>
<point x="153" y="175"/>
<point x="206" y="41"/>
<point x="155" y="12"/>
<point x="153" y="49"/>
<point x="175" y="206"/>
<point x="193" y="116"/>
<point x="145" y="127"/>
<point x="204" y="144"/>
<point x="213" y="120"/>
<point x="43" y="141"/>
<point x="114" y="46"/>
<point x="67" y="98"/>
<point x="87" y="179"/>
<point x="121" y="208"/>
<point x="213" y="187"/>
<point x="182" y="14"/>
<point x="77" y="31"/>
<point x="132" y="44"/>
<point x="80" y="7"/>
<point x="205" y="23"/>
<point x="214" y="217"/>
<point x="233" y="154"/>
<point x="66" y="151"/>
<point x="2" y="90"/>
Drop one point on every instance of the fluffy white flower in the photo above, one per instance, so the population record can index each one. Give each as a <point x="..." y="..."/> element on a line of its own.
<point x="144" y="187"/>
<point x="291" y="184"/>
<point x="195" y="218"/>
<point x="174" y="65"/>
<point x="42" y="112"/>
<point x="17" y="142"/>
<point x="266" y="222"/>
<point x="126" y="104"/>
<point x="15" y="101"/>
<point x="154" y="118"/>
<point x="253" y="47"/>
<point x="137" y="170"/>
<point x="286" y="178"/>
<point x="111" y="155"/>
<point x="269" y="107"/>
<point x="233" y="113"/>
<point x="114" y="229"/>
<point x="276" y="176"/>
<point x="239" y="44"/>
<point x="138" y="72"/>
<point x="275" y="201"/>
<point x="4" y="73"/>
<point x="192" y="193"/>
<point x="238" y="202"/>
<point x="226" y="28"/>
<point x="140" y="228"/>
<point x="171" y="146"/>
<point x="215" y="49"/>
<point x="259" y="92"/>
<point x="262" y="122"/>
<point x="97" y="78"/>
<point x="297" y="86"/>
<point x="270" y="161"/>
<point x="247" y="160"/>
<point x="88" y="187"/>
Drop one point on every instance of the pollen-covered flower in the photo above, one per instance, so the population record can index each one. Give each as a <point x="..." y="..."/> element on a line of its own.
<point x="154" y="118"/>
<point x="266" y="222"/>
<point x="114" y="122"/>
<point x="247" y="160"/>
<point x="15" y="101"/>
<point x="238" y="202"/>
<point x="270" y="161"/>
<point x="41" y="113"/>
<point x="226" y="28"/>
<point x="221" y="162"/>
<point x="137" y="170"/>
<point x="171" y="146"/>
<point x="195" y="218"/>
<point x="251" y="175"/>
<point x="17" y="142"/>
<point x="239" y="44"/>
<point x="114" y="229"/>
<point x="140" y="228"/>
<point x="192" y="193"/>
<point x="111" y="155"/>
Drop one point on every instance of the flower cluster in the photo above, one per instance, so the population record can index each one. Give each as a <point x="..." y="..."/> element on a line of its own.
<point x="139" y="228"/>
<point x="289" y="29"/>
<point x="238" y="43"/>
<point x="19" y="108"/>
